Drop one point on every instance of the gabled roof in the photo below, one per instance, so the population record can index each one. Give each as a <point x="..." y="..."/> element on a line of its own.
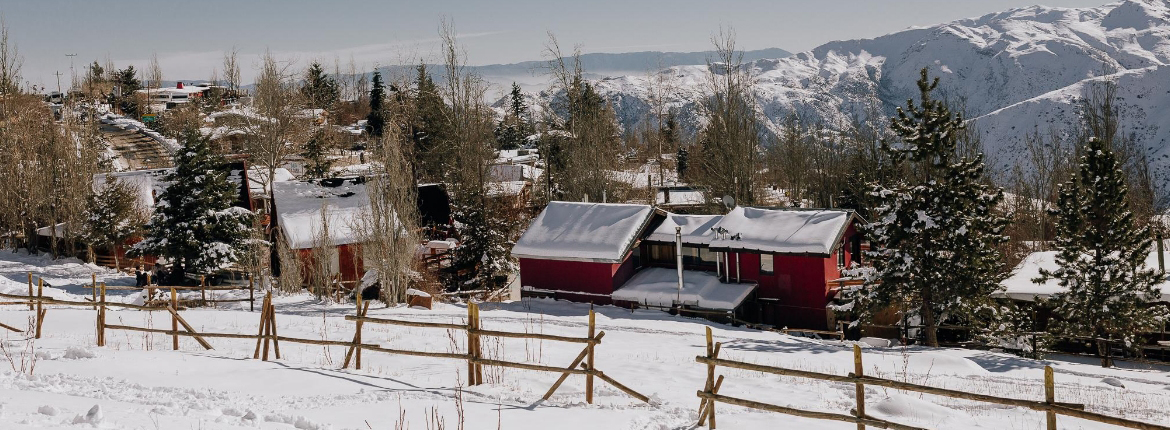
<point x="595" y="232"/>
<point x="299" y="207"/>
<point x="696" y="229"/>
<point x="1019" y="285"/>
<point x="813" y="232"/>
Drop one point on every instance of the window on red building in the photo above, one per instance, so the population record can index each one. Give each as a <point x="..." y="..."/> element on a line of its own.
<point x="767" y="265"/>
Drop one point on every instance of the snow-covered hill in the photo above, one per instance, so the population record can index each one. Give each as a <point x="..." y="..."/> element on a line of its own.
<point x="1013" y="70"/>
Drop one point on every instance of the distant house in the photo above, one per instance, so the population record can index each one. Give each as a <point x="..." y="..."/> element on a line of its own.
<point x="770" y="266"/>
<point x="325" y="214"/>
<point x="170" y="97"/>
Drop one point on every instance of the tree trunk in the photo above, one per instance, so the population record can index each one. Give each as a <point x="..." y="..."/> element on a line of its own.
<point x="928" y="322"/>
<point x="1103" y="352"/>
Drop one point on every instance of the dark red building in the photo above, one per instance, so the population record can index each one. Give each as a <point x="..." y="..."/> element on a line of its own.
<point x="770" y="266"/>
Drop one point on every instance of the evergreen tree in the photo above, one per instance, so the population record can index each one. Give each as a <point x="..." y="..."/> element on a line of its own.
<point x="935" y="236"/>
<point x="194" y="224"/>
<point x="1101" y="255"/>
<point x="517" y="123"/>
<point x="376" y="120"/>
<point x="430" y="127"/>
<point x="127" y="81"/>
<point x="112" y="216"/>
<point x="680" y="163"/>
<point x="316" y="153"/>
<point x="319" y="89"/>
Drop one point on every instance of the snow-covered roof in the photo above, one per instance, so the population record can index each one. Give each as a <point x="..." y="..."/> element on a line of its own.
<point x="514" y="172"/>
<point x="258" y="179"/>
<point x="783" y="231"/>
<point x="146" y="183"/>
<point x="696" y="229"/>
<point x="299" y="206"/>
<point x="657" y="286"/>
<point x="1019" y="285"/>
<point x="54" y="231"/>
<point x="599" y="232"/>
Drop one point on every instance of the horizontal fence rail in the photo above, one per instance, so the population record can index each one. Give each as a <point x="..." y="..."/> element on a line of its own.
<point x="710" y="395"/>
<point x="268" y="340"/>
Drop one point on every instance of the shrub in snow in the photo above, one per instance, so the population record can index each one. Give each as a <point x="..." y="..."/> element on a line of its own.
<point x="194" y="223"/>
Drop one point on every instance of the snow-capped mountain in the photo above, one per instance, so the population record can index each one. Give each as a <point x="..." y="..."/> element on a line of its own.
<point x="1014" y="71"/>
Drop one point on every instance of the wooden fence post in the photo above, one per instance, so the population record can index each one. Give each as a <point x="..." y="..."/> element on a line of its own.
<point x="203" y="289"/>
<point x="357" y="334"/>
<point x="707" y="406"/>
<point x="30" y="292"/>
<point x="102" y="318"/>
<point x="1050" y="395"/>
<point x="263" y="325"/>
<point x="479" y="349"/>
<point x="94" y="275"/>
<point x="174" y="322"/>
<point x="272" y="328"/>
<point x="251" y="294"/>
<point x="40" y="305"/>
<point x="471" y="353"/>
<point x="589" y="358"/>
<point x="857" y="369"/>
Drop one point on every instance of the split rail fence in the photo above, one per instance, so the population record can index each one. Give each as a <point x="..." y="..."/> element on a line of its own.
<point x="709" y="395"/>
<point x="267" y="338"/>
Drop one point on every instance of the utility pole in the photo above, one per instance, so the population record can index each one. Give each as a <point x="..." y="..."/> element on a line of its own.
<point x="72" y="73"/>
<point x="59" y="82"/>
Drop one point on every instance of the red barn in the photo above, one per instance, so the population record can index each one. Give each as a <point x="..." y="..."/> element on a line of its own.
<point x="770" y="266"/>
<point x="323" y="214"/>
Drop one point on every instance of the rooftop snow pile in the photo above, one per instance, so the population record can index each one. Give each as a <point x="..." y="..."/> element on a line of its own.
<point x="597" y="232"/>
<point x="1019" y="285"/>
<point x="658" y="286"/>
<point x="299" y="207"/>
<point x="782" y="231"/>
<point x="696" y="229"/>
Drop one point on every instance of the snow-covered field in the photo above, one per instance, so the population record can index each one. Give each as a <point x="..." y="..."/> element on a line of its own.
<point x="137" y="382"/>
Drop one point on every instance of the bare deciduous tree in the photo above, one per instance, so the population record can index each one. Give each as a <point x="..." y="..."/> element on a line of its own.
<point x="728" y="160"/>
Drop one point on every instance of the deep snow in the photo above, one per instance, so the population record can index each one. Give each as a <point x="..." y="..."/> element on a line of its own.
<point x="136" y="382"/>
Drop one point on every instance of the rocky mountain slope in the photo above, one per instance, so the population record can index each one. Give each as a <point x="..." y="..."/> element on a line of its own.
<point x="1013" y="71"/>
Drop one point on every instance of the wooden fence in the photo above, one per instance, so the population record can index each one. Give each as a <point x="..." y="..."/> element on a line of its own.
<point x="268" y="339"/>
<point x="709" y="395"/>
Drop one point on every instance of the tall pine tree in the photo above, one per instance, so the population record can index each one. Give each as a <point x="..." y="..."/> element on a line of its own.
<point x="430" y="128"/>
<point x="935" y="235"/>
<point x="376" y="120"/>
<point x="194" y="224"/>
<point x="319" y="89"/>
<point x="516" y="126"/>
<point x="1101" y="255"/>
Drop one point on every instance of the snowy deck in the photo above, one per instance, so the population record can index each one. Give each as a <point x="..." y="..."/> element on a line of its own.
<point x="1019" y="285"/>
<point x="658" y="286"/>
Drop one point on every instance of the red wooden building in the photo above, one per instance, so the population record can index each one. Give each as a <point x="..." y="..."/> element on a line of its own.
<point x="770" y="266"/>
<point x="323" y="214"/>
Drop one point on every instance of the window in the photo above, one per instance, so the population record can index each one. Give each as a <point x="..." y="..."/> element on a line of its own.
<point x="706" y="256"/>
<point x="841" y="254"/>
<point x="662" y="254"/>
<point x="767" y="265"/>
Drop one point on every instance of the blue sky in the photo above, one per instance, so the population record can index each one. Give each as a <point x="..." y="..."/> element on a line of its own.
<point x="190" y="37"/>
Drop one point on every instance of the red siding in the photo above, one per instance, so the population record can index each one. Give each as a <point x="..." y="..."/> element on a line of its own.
<point x="575" y="276"/>
<point x="350" y="263"/>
